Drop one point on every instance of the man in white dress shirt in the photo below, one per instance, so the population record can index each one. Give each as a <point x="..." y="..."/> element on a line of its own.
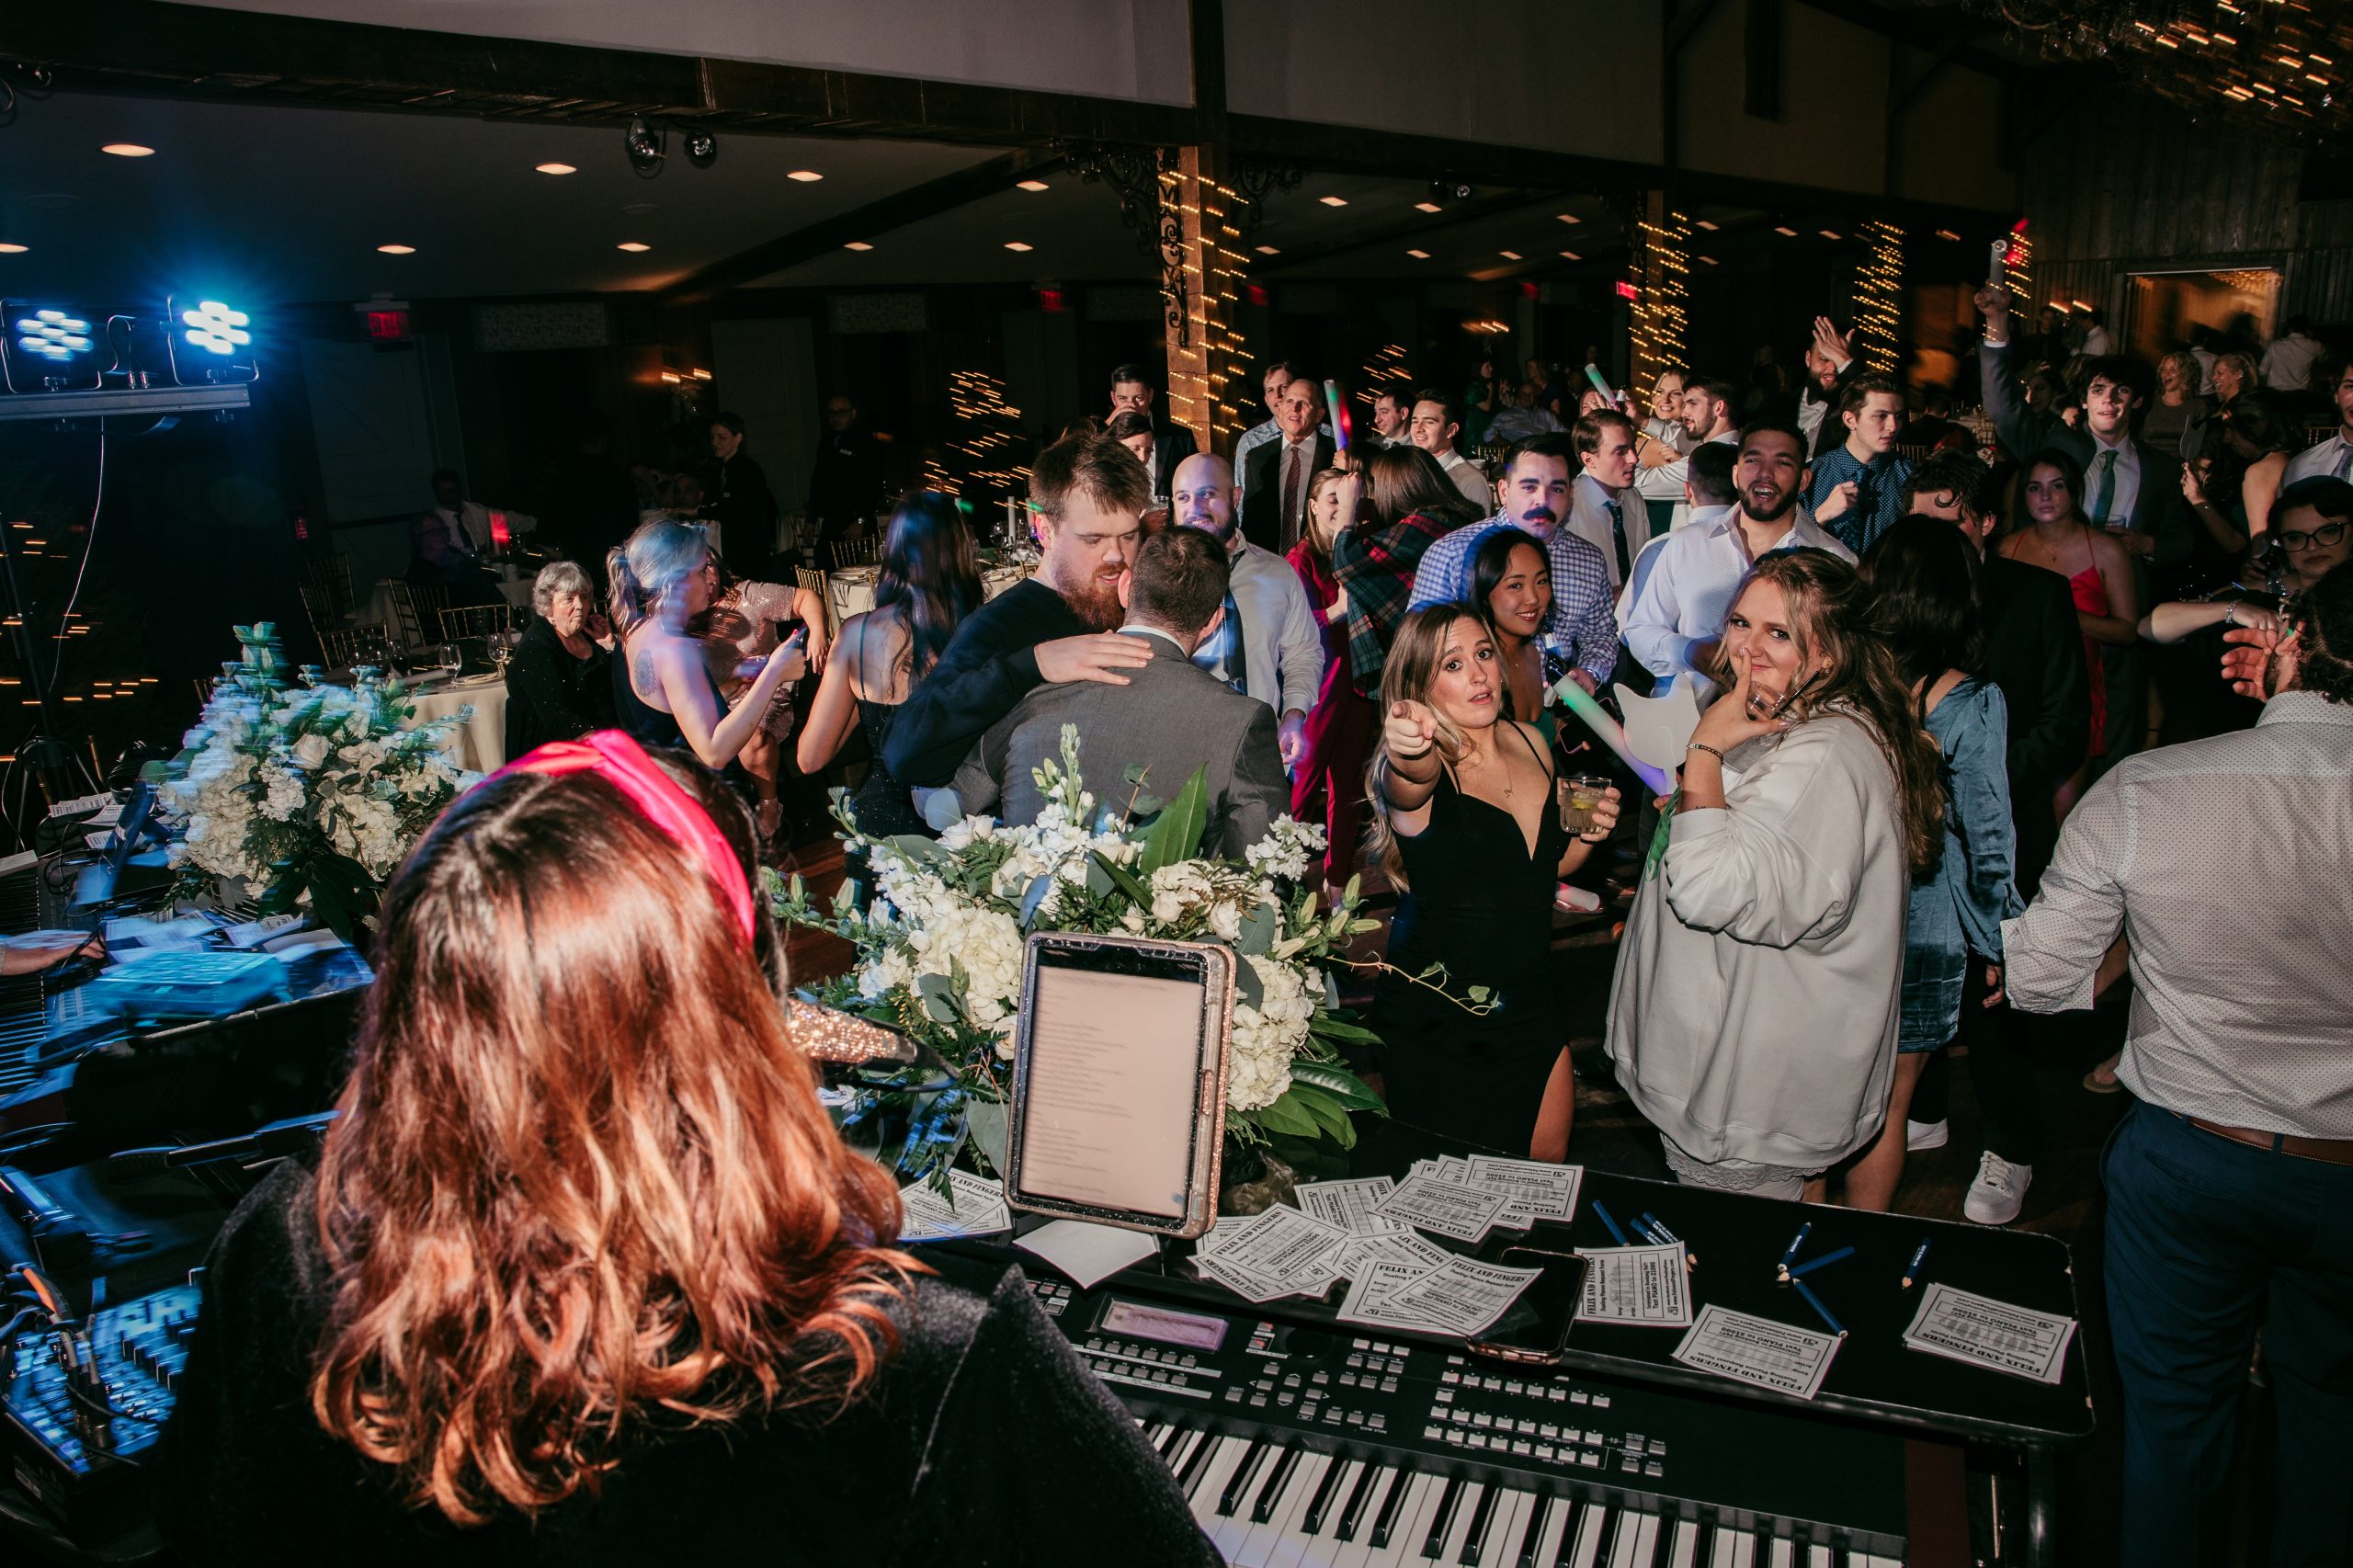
<point x="2288" y="363"/>
<point x="1678" y="615"/>
<point x="2229" y="1185"/>
<point x="1393" y="419"/>
<point x="1272" y="381"/>
<point x="2334" y="457"/>
<point x="1603" y="493"/>
<point x="1270" y="646"/>
<point x="1437" y="420"/>
<point x="1708" y="409"/>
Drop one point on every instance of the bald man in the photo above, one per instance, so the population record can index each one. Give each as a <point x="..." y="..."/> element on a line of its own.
<point x="1271" y="645"/>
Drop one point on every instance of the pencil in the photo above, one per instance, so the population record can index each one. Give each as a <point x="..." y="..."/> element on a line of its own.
<point x="1912" y="1270"/>
<point x="1811" y="1264"/>
<point x="1815" y="1302"/>
<point x="1603" y="1214"/>
<point x="1796" y="1242"/>
<point x="1690" y="1258"/>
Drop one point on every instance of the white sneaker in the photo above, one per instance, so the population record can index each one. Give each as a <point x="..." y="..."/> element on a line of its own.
<point x="2000" y="1191"/>
<point x="1919" y="1135"/>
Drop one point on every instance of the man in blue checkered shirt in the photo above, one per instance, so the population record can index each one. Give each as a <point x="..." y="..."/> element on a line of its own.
<point x="1857" y="488"/>
<point x="1535" y="497"/>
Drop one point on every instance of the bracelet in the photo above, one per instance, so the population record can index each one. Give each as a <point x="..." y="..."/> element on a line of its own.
<point x="2230" y="614"/>
<point x="1702" y="745"/>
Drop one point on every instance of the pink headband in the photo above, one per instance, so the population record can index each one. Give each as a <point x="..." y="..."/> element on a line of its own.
<point x="618" y="760"/>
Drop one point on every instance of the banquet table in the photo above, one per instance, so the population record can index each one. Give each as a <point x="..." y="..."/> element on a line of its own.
<point x="850" y="590"/>
<point x="478" y="745"/>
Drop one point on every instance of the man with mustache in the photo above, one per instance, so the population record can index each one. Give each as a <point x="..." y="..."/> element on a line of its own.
<point x="1088" y="494"/>
<point x="1535" y="498"/>
<point x="1269" y="645"/>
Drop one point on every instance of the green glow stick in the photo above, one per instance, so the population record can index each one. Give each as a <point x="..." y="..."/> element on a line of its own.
<point x="1579" y="701"/>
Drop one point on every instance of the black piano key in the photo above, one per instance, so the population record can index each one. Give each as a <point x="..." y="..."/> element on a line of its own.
<point x="1278" y="1477"/>
<point x="1194" y="1461"/>
<point x="1352" y="1516"/>
<point x="1435" y="1543"/>
<point x="1313" y="1520"/>
<point x="1236" y="1487"/>
<point x="1533" y="1535"/>
<point x="1386" y="1520"/>
<point x="1481" y="1517"/>
<point x="1170" y="1439"/>
<point x="1663" y="1549"/>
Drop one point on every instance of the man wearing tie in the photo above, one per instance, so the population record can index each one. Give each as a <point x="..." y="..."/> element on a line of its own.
<point x="1277" y="474"/>
<point x="1604" y="440"/>
<point x="2134" y="491"/>
<point x="1269" y="646"/>
<point x="2332" y="458"/>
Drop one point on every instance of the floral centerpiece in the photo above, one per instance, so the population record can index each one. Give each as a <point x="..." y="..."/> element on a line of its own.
<point x="292" y="787"/>
<point x="939" y="950"/>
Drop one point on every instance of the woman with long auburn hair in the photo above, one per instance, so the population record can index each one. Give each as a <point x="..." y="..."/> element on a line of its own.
<point x="1753" y="1017"/>
<point x="583" y="1273"/>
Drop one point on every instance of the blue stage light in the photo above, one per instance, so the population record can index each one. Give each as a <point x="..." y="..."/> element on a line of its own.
<point x="211" y="343"/>
<point x="47" y="348"/>
<point x="217" y="329"/>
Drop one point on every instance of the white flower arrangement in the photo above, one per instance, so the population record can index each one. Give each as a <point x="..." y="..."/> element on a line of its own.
<point x="940" y="948"/>
<point x="291" y="787"/>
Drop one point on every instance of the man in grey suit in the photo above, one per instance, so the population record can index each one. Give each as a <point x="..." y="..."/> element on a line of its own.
<point x="2133" y="490"/>
<point x="1172" y="717"/>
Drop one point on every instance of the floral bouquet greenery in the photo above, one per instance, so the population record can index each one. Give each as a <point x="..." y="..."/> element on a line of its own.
<point x="939" y="950"/>
<point x="294" y="787"/>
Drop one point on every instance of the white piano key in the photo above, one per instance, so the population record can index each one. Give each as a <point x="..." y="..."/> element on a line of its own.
<point x="1411" y="1523"/>
<point x="1593" y="1530"/>
<point x="1785" y="1552"/>
<point x="1208" y="1481"/>
<point x="1458" y="1527"/>
<point x="1722" y="1556"/>
<point x="1637" y="1551"/>
<point x="1684" y="1553"/>
<point x="1550" y="1545"/>
<point x="1871" y="1559"/>
<point x="1744" y="1550"/>
<point x="1501" y="1549"/>
<point x="1268" y="1540"/>
<point x="1819" y="1556"/>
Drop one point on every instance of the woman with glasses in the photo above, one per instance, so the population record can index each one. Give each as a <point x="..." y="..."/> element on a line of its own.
<point x="664" y="691"/>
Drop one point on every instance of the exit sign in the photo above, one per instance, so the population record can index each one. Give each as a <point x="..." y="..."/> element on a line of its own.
<point x="388" y="326"/>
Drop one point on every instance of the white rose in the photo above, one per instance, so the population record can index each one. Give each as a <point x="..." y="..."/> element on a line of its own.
<point x="311" y="751"/>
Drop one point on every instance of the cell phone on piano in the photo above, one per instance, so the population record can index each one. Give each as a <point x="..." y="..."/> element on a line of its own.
<point x="1536" y="1330"/>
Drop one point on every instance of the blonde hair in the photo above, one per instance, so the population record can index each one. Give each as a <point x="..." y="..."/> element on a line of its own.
<point x="645" y="572"/>
<point x="1406" y="677"/>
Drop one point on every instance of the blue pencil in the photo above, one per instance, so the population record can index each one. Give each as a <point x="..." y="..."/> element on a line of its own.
<point x="1815" y="1302"/>
<point x="1603" y="1214"/>
<point x="1811" y="1264"/>
<point x="1912" y="1269"/>
<point x="1796" y="1242"/>
<point x="1690" y="1259"/>
<point x="1649" y="1236"/>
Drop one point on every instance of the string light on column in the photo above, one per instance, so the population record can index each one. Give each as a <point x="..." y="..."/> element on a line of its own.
<point x="1206" y="288"/>
<point x="1659" y="317"/>
<point x="2017" y="266"/>
<point x="1878" y="296"/>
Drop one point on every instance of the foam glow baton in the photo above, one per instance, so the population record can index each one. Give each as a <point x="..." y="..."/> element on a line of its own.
<point x="1593" y="374"/>
<point x="1579" y="701"/>
<point x="1340" y="415"/>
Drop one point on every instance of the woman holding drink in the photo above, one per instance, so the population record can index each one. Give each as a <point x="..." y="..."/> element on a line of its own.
<point x="1464" y="823"/>
<point x="1755" y="1011"/>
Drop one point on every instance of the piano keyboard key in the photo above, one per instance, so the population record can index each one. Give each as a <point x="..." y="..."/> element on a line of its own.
<point x="1785" y="1552"/>
<point x="1392" y="1505"/>
<point x="1501" y="1549"/>
<point x="1237" y="1483"/>
<point x="1442" y="1519"/>
<point x="1482" y="1518"/>
<point x="1592" y="1527"/>
<point x="1686" y="1545"/>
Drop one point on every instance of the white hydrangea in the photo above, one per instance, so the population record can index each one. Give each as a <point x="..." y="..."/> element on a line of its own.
<point x="1290" y="847"/>
<point x="1268" y="1036"/>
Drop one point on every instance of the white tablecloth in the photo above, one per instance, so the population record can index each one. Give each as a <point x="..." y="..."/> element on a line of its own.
<point x="479" y="745"/>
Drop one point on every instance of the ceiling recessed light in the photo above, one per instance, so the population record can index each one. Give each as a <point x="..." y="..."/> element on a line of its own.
<point x="1785" y="231"/>
<point x="1568" y="217"/>
<point x="127" y="150"/>
<point x="1015" y="244"/>
<point x="1709" y="259"/>
<point x="1032" y="185"/>
<point x="806" y="177"/>
<point x="1827" y="234"/>
<point x="1268" y="250"/>
<point x="1508" y="254"/>
<point x="1703" y="223"/>
<point x="1570" y="255"/>
<point x="632" y="246"/>
<point x="13" y="249"/>
<point x="858" y="244"/>
<point x="1427" y="207"/>
<point x="398" y="250"/>
<point x="556" y="169"/>
<point x="1419" y="255"/>
<point x="1333" y="200"/>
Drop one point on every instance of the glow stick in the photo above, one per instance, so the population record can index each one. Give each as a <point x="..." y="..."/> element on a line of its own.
<point x="1340" y="415"/>
<point x="1579" y="701"/>
<point x="1593" y="374"/>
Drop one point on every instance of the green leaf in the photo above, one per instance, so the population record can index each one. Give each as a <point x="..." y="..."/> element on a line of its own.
<point x="1099" y="881"/>
<point x="1249" y="991"/>
<point x="343" y="893"/>
<point x="1340" y="1083"/>
<point x="1124" y="879"/>
<point x="1039" y="888"/>
<point x="1328" y="1113"/>
<point x="1176" y="833"/>
<point x="1284" y="1116"/>
<point x="1135" y="773"/>
<point x="916" y="848"/>
<point x="939" y="997"/>
<point x="1333" y="1028"/>
<point x="984" y="1119"/>
<point x="1258" y="928"/>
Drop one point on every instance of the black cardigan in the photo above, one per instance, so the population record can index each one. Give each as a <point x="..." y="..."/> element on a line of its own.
<point x="551" y="696"/>
<point x="984" y="1440"/>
